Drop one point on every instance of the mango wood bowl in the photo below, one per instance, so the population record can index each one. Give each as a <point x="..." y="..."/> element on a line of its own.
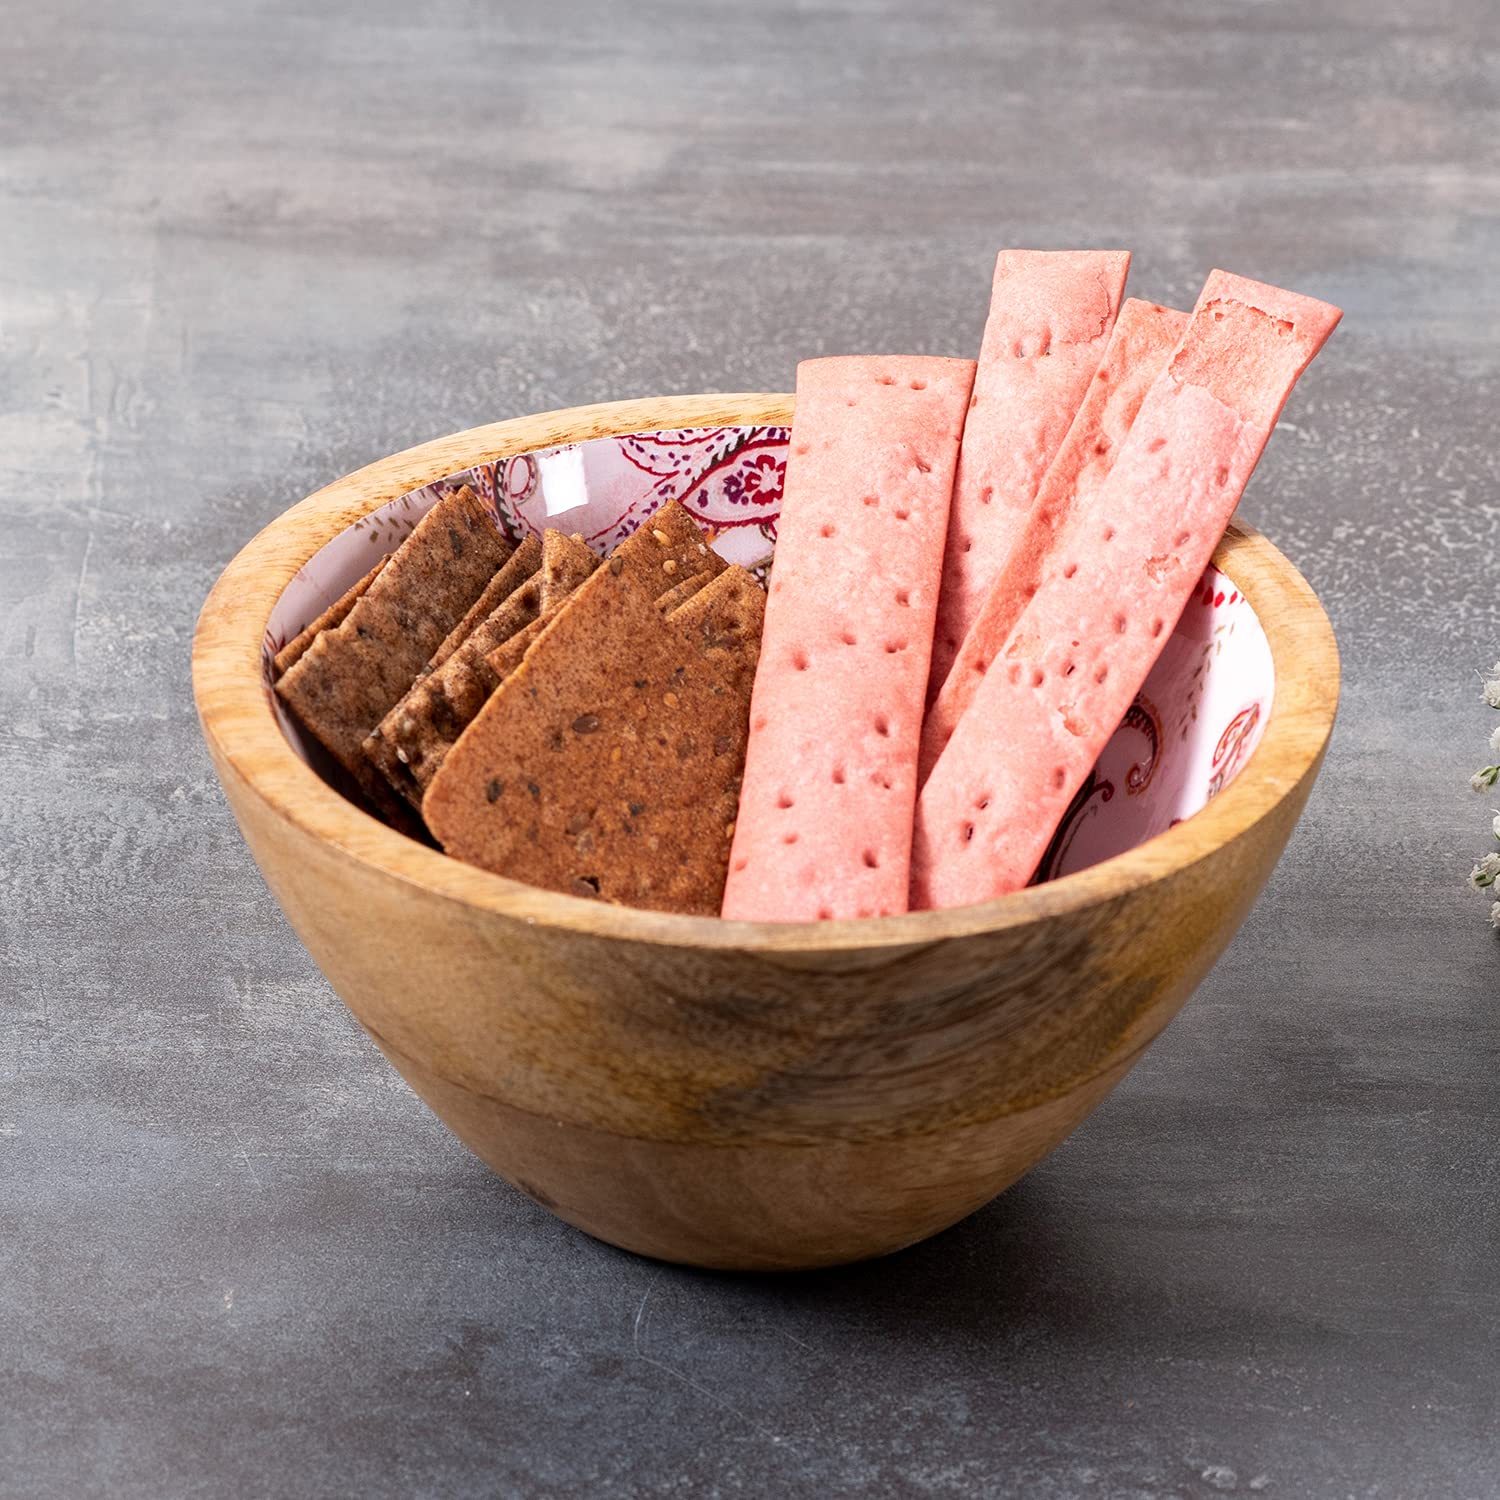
<point x="740" y="1094"/>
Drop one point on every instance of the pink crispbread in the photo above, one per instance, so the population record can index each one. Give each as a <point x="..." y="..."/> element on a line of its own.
<point x="1050" y="317"/>
<point x="1142" y="342"/>
<point x="1086" y="641"/>
<point x="825" y="813"/>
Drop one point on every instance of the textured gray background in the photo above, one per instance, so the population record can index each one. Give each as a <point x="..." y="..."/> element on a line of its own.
<point x="245" y="248"/>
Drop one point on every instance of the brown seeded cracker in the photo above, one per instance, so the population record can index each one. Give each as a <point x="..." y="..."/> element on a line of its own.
<point x="566" y="563"/>
<point x="524" y="561"/>
<point x="609" y="762"/>
<point x="410" y="742"/>
<point x="509" y="655"/>
<point x="659" y="555"/>
<point x="351" y="676"/>
<point x="680" y="549"/>
<point x="721" y="612"/>
<point x="296" y="648"/>
<point x="680" y="593"/>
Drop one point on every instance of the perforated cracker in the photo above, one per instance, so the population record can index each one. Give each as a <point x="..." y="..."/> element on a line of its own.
<point x="1050" y="317"/>
<point x="1086" y="642"/>
<point x="1143" y="339"/>
<point x="824" y="825"/>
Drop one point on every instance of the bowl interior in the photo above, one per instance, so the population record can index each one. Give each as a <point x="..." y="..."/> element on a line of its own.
<point x="1191" y="729"/>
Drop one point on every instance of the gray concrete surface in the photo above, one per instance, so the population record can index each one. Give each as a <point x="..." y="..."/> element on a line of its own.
<point x="245" y="248"/>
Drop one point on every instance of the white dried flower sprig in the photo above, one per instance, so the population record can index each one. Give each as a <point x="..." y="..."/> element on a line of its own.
<point x="1484" y="875"/>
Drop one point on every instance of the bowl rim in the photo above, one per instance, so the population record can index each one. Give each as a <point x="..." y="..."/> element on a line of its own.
<point x="235" y="711"/>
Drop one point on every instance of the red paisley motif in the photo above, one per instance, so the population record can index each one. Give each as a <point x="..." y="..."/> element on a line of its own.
<point x="754" y="482"/>
<point x="1231" y="750"/>
<point x="516" y="478"/>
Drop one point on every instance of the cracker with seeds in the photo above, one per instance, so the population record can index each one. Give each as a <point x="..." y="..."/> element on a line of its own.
<point x="680" y="593"/>
<point x="566" y="562"/>
<point x="336" y="613"/>
<point x="665" y="552"/>
<point x="351" y="676"/>
<point x="524" y="561"/>
<point x="608" y="763"/>
<point x="409" y="744"/>
<point x="505" y="658"/>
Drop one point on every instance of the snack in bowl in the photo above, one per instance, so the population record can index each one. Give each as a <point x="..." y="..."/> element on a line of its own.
<point x="1139" y="346"/>
<point x="824" y="823"/>
<point x="1051" y="312"/>
<point x="760" y="1094"/>
<point x="509" y="583"/>
<point x="1053" y="505"/>
<point x="335" y="615"/>
<point x="409" y="744"/>
<point x="1106" y="602"/>
<point x="352" y="675"/>
<point x="608" y="763"/>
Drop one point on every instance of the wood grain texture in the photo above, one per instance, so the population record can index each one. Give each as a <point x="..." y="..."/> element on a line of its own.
<point x="609" y="1058"/>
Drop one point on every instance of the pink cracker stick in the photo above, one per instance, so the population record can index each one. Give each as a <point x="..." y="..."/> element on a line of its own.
<point x="1087" y="640"/>
<point x="1050" y="317"/>
<point x="825" y="815"/>
<point x="1143" y="340"/>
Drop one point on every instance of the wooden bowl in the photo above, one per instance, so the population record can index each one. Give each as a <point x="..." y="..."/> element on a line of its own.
<point x="741" y="1094"/>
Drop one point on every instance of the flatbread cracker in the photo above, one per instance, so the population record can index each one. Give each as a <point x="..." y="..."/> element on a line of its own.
<point x="409" y="743"/>
<point x="351" y="676"/>
<point x="659" y="555"/>
<point x="296" y="648"/>
<point x="824" y="826"/>
<point x="524" y="561"/>
<point x="1050" y="316"/>
<point x="666" y="549"/>
<point x="680" y="593"/>
<point x="566" y="562"/>
<point x="1142" y="342"/>
<point x="608" y="764"/>
<point x="1088" y="638"/>
<point x="509" y="655"/>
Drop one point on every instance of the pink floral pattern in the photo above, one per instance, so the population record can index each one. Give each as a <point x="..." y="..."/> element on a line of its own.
<point x="728" y="478"/>
<point x="1190" y="731"/>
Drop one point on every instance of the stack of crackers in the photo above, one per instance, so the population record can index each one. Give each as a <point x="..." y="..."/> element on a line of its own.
<point x="574" y="724"/>
<point x="978" y="564"/>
